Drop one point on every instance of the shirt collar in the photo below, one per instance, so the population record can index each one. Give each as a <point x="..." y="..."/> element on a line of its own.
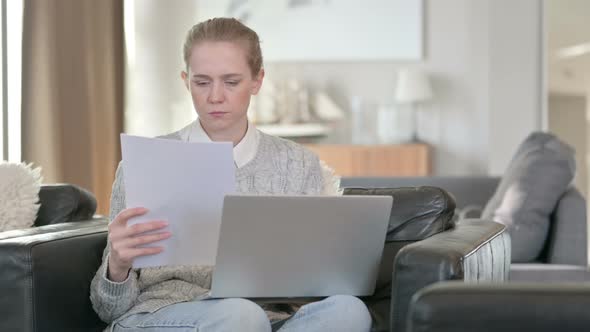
<point x="244" y="151"/>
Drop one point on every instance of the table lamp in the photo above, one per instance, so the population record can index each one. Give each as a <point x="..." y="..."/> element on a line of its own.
<point x="413" y="87"/>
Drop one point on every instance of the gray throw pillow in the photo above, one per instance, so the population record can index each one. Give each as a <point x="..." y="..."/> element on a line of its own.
<point x="538" y="174"/>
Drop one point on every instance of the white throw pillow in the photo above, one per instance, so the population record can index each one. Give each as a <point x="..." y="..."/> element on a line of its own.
<point x="19" y="195"/>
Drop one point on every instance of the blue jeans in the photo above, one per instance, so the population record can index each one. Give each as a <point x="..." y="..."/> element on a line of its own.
<point x="336" y="313"/>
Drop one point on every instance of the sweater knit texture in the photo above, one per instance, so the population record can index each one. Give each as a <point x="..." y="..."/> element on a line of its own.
<point x="279" y="167"/>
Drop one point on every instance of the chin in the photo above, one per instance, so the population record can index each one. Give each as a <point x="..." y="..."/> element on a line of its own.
<point x="217" y="124"/>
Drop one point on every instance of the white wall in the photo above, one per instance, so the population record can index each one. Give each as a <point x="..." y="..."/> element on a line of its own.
<point x="515" y="85"/>
<point x="567" y="119"/>
<point x="455" y="122"/>
<point x="485" y="61"/>
<point x="587" y="169"/>
<point x="483" y="56"/>
<point x="156" y="100"/>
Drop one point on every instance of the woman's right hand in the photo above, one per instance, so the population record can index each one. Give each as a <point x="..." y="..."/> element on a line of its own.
<point x="127" y="242"/>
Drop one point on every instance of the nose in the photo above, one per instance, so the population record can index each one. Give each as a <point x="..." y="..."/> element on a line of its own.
<point x="216" y="94"/>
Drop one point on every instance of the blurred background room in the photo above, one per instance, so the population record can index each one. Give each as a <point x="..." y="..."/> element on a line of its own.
<point x="376" y="87"/>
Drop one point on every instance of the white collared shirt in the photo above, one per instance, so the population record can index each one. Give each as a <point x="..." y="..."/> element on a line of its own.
<point x="244" y="151"/>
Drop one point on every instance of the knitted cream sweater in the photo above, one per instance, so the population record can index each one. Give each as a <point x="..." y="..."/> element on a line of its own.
<point x="279" y="167"/>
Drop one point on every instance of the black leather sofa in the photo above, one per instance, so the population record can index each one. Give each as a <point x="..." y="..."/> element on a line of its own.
<point x="511" y="307"/>
<point x="45" y="271"/>
<point x="46" y="274"/>
<point x="565" y="255"/>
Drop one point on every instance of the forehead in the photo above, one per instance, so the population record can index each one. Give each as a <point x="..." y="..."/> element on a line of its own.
<point x="218" y="58"/>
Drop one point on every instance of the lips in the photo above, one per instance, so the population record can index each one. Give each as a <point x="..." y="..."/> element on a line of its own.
<point x="217" y="113"/>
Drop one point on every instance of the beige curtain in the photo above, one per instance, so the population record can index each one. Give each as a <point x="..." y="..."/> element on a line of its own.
<point x="73" y="67"/>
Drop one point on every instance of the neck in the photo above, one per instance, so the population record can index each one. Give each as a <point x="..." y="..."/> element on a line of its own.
<point x="234" y="134"/>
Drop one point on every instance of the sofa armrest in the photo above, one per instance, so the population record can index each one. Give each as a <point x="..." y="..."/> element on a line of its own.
<point x="554" y="273"/>
<point x="95" y="221"/>
<point x="457" y="307"/>
<point x="474" y="250"/>
<point x="46" y="277"/>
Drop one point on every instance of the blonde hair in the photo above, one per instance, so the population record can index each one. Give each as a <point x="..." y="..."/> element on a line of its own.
<point x="225" y="29"/>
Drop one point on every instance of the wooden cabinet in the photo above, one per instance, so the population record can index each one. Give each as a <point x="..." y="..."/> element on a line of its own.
<point x="376" y="160"/>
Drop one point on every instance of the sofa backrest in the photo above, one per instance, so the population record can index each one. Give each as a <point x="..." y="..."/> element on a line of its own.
<point x="567" y="240"/>
<point x="64" y="202"/>
<point x="568" y="237"/>
<point x="467" y="190"/>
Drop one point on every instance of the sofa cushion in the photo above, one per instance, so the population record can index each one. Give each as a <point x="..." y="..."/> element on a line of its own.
<point x="64" y="203"/>
<point x="417" y="212"/>
<point x="568" y="232"/>
<point x="538" y="174"/>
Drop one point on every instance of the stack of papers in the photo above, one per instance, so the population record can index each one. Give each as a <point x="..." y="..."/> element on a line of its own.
<point x="183" y="183"/>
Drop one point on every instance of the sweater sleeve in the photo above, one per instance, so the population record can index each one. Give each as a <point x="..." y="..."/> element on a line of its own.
<point x="331" y="181"/>
<point x="111" y="299"/>
<point x="318" y="177"/>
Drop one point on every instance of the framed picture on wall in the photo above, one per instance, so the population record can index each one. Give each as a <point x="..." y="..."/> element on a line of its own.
<point x="328" y="30"/>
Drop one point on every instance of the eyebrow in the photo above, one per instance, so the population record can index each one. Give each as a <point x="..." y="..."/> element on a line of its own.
<point x="225" y="76"/>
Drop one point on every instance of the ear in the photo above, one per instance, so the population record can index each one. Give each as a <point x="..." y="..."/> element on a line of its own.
<point x="257" y="82"/>
<point x="184" y="77"/>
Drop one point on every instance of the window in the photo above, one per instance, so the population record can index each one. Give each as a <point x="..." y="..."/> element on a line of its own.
<point x="11" y="22"/>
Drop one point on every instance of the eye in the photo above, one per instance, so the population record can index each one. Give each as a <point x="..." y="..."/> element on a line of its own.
<point x="201" y="83"/>
<point x="232" y="83"/>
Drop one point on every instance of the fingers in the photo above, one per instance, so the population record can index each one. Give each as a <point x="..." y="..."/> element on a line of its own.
<point x="124" y="216"/>
<point x="119" y="264"/>
<point x="137" y="252"/>
<point x="127" y="237"/>
<point x="118" y="228"/>
<point x="130" y="254"/>
<point x="144" y="227"/>
<point x="144" y="239"/>
<point x="124" y="251"/>
<point x="127" y="242"/>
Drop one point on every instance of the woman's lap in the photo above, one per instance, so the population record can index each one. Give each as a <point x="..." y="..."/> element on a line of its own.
<point x="336" y="313"/>
<point x="206" y="315"/>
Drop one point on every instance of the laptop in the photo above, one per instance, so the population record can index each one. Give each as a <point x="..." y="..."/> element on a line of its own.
<point x="299" y="246"/>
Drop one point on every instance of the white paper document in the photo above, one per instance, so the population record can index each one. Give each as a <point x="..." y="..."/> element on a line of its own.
<point x="183" y="183"/>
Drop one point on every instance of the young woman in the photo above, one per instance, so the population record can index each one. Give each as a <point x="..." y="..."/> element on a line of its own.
<point x="223" y="70"/>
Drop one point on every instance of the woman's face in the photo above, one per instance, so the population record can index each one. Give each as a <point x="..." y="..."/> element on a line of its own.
<point x="221" y="84"/>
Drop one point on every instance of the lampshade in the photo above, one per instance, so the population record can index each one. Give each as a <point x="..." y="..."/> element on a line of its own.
<point x="412" y="86"/>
